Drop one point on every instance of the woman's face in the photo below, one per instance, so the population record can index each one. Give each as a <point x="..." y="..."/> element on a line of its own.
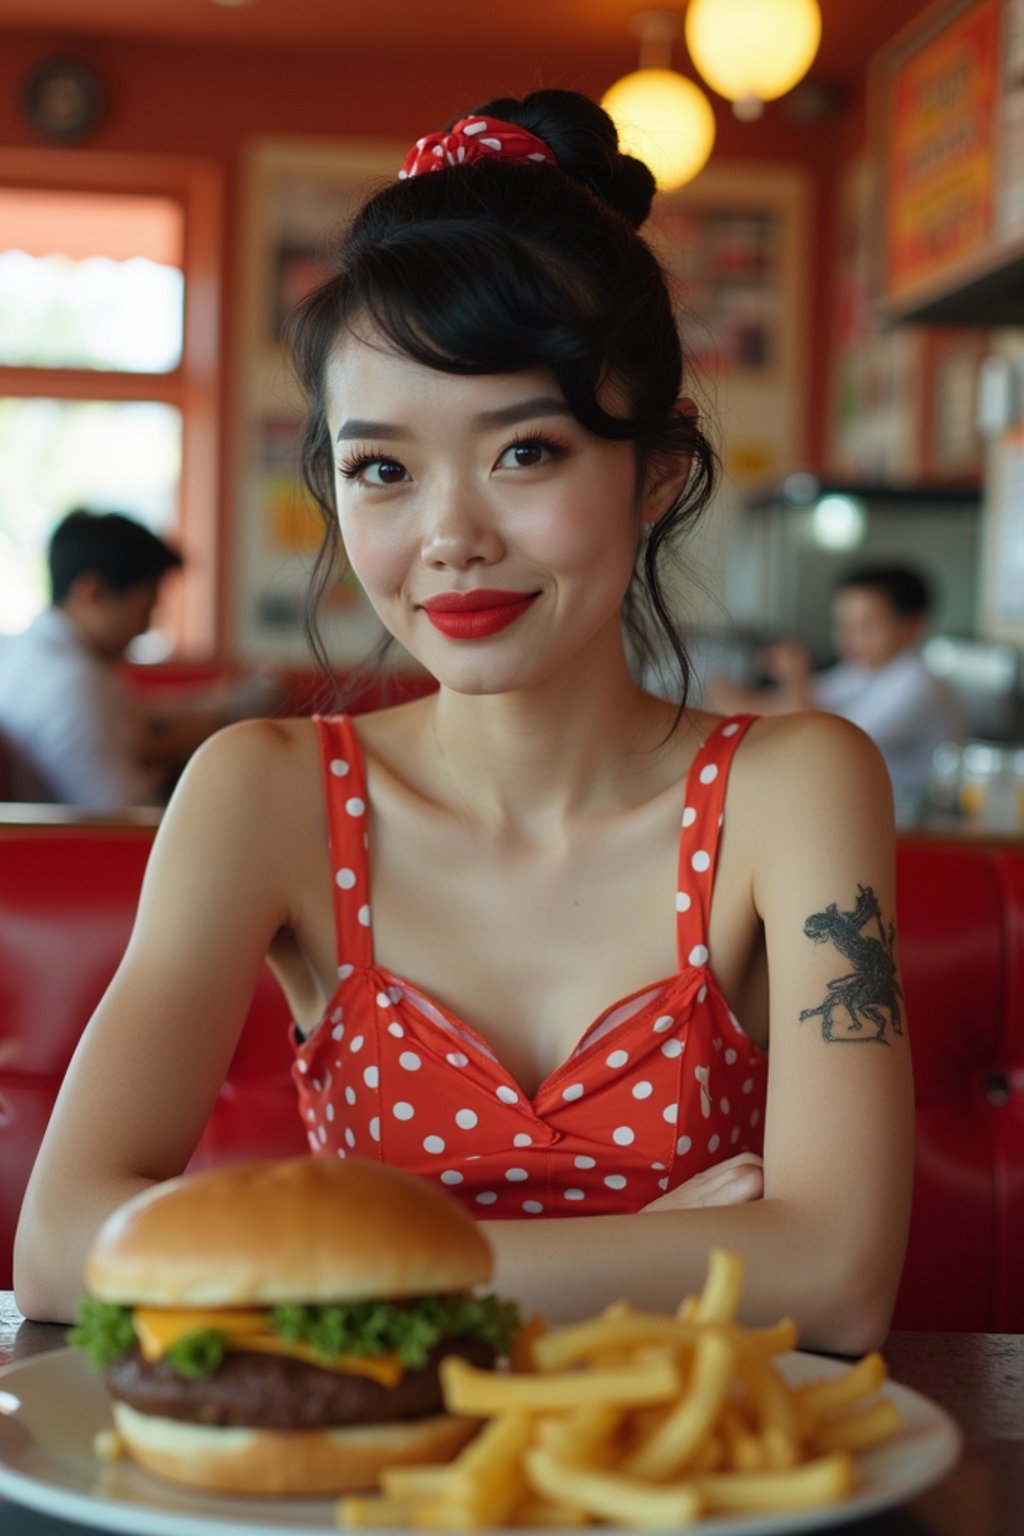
<point x="493" y="534"/>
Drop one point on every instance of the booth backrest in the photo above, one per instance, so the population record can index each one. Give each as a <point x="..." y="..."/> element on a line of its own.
<point x="961" y="939"/>
<point x="67" y="898"/>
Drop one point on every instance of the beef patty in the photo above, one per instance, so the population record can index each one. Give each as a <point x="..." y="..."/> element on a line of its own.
<point x="276" y="1392"/>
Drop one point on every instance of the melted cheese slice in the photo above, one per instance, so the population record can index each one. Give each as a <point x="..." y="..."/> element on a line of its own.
<point x="158" y="1328"/>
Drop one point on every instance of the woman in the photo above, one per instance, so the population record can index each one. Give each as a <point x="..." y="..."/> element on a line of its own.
<point x="497" y="432"/>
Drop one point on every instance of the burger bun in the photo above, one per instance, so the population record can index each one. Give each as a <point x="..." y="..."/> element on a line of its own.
<point x="285" y="1462"/>
<point x="305" y="1230"/>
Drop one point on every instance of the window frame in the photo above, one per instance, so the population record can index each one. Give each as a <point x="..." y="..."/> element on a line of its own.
<point x="193" y="387"/>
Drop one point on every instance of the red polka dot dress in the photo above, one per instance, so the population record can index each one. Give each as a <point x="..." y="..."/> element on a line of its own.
<point x="662" y="1085"/>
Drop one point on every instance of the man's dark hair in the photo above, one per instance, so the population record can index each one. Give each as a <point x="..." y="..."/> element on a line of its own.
<point x="907" y="593"/>
<point x="116" y="547"/>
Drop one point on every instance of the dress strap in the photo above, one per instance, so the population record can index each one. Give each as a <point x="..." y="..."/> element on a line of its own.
<point x="344" y="779"/>
<point x="703" y="811"/>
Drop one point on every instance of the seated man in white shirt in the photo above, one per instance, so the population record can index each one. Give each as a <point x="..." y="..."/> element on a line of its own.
<point x="71" y="730"/>
<point x="879" y="616"/>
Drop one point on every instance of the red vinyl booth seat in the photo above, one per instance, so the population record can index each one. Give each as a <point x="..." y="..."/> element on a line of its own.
<point x="67" y="899"/>
<point x="961" y="941"/>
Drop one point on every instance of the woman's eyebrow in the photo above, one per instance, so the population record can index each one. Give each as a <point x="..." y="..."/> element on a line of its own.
<point x="504" y="416"/>
<point x="356" y="426"/>
<point x="523" y="410"/>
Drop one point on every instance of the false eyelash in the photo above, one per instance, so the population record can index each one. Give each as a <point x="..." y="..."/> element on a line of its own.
<point x="555" y="445"/>
<point x="357" y="461"/>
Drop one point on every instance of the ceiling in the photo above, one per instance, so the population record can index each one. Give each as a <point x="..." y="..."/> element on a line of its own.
<point x="552" y="33"/>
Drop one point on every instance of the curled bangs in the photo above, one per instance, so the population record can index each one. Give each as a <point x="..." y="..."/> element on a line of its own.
<point x="463" y="300"/>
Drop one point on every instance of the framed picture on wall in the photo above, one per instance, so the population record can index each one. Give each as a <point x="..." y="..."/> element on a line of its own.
<point x="902" y="397"/>
<point x="734" y="245"/>
<point x="724" y="265"/>
<point x="297" y="271"/>
<point x="299" y="196"/>
<point x="946" y="113"/>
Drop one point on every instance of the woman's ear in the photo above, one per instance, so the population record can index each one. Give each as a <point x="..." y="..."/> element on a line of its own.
<point x="668" y="473"/>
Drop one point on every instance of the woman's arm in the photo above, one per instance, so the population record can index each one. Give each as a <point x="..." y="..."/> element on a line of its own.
<point x="810" y="798"/>
<point x="145" y="1076"/>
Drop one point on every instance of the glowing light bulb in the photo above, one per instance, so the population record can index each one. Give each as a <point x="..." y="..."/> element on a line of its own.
<point x="665" y="120"/>
<point x="752" y="51"/>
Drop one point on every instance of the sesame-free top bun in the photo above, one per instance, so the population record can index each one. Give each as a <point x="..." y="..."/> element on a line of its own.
<point x="305" y="1230"/>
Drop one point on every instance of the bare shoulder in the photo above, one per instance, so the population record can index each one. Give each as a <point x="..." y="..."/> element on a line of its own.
<point x="811" y="781"/>
<point x="256" y="773"/>
<point x="260" y="745"/>
<point x="804" y="744"/>
<point x="252" y="755"/>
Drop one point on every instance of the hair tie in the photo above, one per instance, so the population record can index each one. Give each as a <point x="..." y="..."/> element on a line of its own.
<point x="474" y="138"/>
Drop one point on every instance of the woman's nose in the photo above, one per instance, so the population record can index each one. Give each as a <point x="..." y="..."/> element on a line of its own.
<point x="461" y="534"/>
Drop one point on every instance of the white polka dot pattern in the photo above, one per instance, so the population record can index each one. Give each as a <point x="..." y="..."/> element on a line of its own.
<point x="661" y="1086"/>
<point x="474" y="138"/>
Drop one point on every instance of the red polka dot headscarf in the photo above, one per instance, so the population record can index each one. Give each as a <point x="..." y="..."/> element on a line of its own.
<point x="474" y="138"/>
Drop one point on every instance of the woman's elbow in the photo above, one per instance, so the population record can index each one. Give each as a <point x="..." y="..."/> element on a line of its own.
<point x="860" y="1327"/>
<point x="36" y="1290"/>
<point x="851" y="1312"/>
<point x="47" y="1267"/>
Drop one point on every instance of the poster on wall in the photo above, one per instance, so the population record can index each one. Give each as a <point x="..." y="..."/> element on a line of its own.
<point x="732" y="243"/>
<point x="1006" y="519"/>
<point x="724" y="267"/>
<point x="902" y="396"/>
<point x="876" y="373"/>
<point x="299" y="196"/>
<point x="942" y="140"/>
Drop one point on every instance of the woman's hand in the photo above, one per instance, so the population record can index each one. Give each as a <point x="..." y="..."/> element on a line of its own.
<point x="737" y="1180"/>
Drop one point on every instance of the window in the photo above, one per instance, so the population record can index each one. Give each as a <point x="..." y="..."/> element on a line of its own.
<point x="89" y="280"/>
<point x="108" y="367"/>
<point x="118" y="455"/>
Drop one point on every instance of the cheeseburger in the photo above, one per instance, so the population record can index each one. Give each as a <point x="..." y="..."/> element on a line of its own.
<point x="276" y="1327"/>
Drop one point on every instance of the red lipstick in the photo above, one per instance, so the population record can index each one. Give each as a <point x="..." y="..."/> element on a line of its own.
<point x="477" y="614"/>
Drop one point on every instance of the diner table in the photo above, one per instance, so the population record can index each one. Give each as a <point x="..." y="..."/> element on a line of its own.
<point x="977" y="1377"/>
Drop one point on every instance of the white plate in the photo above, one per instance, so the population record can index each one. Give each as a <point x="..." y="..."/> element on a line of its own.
<point x="51" y="1406"/>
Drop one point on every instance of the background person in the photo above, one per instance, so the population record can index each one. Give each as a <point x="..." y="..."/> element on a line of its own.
<point x="74" y="732"/>
<point x="564" y="948"/>
<point x="880" y="681"/>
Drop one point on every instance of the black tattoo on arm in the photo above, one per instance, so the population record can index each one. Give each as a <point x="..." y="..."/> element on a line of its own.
<point x="870" y="994"/>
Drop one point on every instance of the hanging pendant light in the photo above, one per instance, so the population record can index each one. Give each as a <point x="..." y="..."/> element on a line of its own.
<point x="662" y="118"/>
<point x="752" y="51"/>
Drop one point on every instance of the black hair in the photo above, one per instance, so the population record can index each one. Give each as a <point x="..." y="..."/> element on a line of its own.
<point x="116" y="547"/>
<point x="906" y="591"/>
<point x="501" y="266"/>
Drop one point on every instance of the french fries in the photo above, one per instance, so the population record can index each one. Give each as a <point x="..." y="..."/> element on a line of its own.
<point x="642" y="1420"/>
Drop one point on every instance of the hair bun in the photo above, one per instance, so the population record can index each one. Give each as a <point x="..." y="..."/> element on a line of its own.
<point x="584" y="141"/>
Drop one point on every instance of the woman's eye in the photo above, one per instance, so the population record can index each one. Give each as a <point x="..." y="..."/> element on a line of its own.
<point x="384" y="472"/>
<point x="531" y="451"/>
<point x="377" y="471"/>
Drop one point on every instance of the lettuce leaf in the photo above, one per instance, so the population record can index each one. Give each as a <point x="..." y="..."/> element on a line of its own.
<point x="409" y="1330"/>
<point x="196" y="1355"/>
<point x="104" y="1331"/>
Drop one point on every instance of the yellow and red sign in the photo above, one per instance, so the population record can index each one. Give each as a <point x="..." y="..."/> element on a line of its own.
<point x="940" y="186"/>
